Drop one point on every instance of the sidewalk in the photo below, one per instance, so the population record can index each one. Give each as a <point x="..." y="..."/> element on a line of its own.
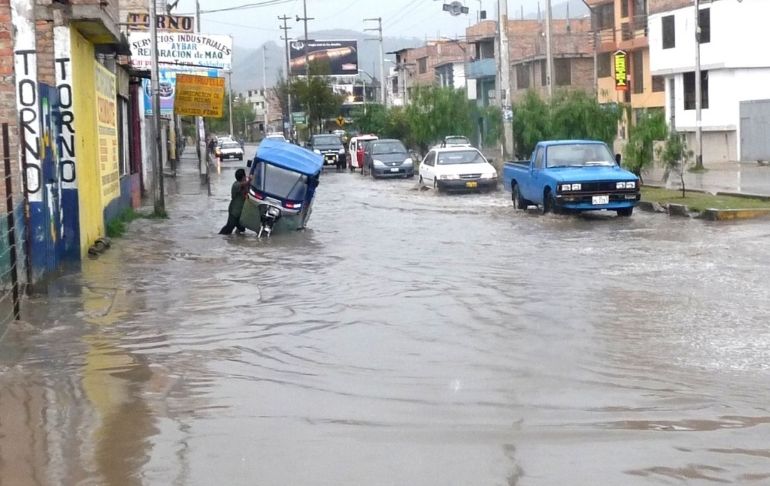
<point x="745" y="178"/>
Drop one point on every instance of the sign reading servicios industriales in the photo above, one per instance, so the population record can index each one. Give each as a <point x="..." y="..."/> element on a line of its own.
<point x="182" y="51"/>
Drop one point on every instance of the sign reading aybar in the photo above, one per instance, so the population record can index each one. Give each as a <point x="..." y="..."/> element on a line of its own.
<point x="199" y="95"/>
<point x="182" y="51"/>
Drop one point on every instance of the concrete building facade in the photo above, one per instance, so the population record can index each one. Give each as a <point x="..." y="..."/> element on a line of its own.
<point x="735" y="74"/>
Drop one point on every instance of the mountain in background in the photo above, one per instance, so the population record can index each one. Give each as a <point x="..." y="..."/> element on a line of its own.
<point x="247" y="61"/>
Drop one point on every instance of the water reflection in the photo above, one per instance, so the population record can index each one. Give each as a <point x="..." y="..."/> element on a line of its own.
<point x="407" y="338"/>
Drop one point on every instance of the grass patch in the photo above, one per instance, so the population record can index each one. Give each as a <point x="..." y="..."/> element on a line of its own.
<point x="117" y="226"/>
<point x="699" y="201"/>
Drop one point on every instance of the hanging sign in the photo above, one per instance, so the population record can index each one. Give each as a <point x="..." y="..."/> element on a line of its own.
<point x="199" y="95"/>
<point x="620" y="59"/>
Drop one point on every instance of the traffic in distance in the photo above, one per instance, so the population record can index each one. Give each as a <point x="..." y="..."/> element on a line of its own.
<point x="562" y="176"/>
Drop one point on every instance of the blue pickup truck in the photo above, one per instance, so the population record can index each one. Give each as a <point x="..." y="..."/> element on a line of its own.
<point x="572" y="175"/>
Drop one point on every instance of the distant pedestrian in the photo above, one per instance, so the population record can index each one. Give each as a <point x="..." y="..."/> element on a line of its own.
<point x="238" y="193"/>
<point x="212" y="145"/>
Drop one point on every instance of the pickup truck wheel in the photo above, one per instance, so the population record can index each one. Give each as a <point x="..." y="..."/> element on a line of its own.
<point x="518" y="201"/>
<point x="549" y="203"/>
<point x="626" y="212"/>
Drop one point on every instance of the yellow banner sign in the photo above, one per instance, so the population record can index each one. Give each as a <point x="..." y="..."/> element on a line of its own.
<point x="107" y="141"/>
<point x="199" y="95"/>
<point x="621" y="71"/>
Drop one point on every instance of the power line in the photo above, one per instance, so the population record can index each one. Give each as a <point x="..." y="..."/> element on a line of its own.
<point x="266" y="3"/>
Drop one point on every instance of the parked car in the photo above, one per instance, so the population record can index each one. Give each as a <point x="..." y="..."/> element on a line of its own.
<point x="356" y="150"/>
<point x="388" y="158"/>
<point x="572" y="175"/>
<point x="457" y="169"/>
<point x="330" y="147"/>
<point x="229" y="150"/>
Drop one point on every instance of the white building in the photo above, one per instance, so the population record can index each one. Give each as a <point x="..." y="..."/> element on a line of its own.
<point x="735" y="63"/>
<point x="450" y="74"/>
<point x="256" y="98"/>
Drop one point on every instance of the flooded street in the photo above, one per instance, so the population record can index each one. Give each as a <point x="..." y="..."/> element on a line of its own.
<point x="405" y="338"/>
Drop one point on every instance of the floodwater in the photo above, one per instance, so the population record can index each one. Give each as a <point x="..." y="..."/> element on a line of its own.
<point x="406" y="338"/>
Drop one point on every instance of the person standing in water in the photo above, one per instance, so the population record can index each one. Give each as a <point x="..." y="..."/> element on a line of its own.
<point x="238" y="194"/>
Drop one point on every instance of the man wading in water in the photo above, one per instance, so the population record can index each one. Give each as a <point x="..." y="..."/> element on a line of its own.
<point x="238" y="193"/>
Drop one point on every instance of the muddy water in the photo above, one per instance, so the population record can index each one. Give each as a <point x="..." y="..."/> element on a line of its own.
<point x="406" y="338"/>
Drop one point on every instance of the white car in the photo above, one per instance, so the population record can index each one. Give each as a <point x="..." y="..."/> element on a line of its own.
<point x="276" y="136"/>
<point x="230" y="150"/>
<point x="457" y="169"/>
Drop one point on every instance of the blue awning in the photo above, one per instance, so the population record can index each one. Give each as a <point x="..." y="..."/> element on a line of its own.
<point x="290" y="156"/>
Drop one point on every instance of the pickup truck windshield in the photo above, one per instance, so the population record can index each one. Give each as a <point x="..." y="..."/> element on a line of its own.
<point x="463" y="157"/>
<point x="382" y="148"/>
<point x="579" y="155"/>
<point x="326" y="140"/>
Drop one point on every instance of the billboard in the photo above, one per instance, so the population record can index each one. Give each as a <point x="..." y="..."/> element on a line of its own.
<point x="182" y="51"/>
<point x="341" y="56"/>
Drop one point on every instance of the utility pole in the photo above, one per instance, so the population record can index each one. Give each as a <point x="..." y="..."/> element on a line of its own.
<point x="382" y="57"/>
<point x="305" y="18"/>
<point x="264" y="86"/>
<point x="199" y="120"/>
<point x="504" y="75"/>
<point x="285" y="28"/>
<point x="157" y="152"/>
<point x="230" y="98"/>
<point x="698" y="97"/>
<point x="548" y="51"/>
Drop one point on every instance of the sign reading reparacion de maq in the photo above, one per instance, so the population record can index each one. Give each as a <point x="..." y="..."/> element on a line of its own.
<point x="182" y="51"/>
<point x="341" y="56"/>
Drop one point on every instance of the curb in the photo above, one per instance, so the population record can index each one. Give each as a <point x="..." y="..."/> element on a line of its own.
<point x="734" y="214"/>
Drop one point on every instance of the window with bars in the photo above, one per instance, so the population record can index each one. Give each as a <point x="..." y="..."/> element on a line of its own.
<point x="522" y="76"/>
<point x="422" y="65"/>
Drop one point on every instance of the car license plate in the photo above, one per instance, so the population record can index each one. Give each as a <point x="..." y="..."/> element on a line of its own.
<point x="394" y="169"/>
<point x="471" y="184"/>
<point x="596" y="200"/>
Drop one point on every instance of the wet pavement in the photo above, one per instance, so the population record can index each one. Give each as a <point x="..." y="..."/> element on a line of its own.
<point x="747" y="178"/>
<point x="404" y="338"/>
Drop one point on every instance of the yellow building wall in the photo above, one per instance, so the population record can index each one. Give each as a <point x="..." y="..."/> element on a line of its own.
<point x="648" y="98"/>
<point x="86" y="146"/>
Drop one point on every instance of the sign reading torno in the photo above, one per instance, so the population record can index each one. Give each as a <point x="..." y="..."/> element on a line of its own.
<point x="168" y="23"/>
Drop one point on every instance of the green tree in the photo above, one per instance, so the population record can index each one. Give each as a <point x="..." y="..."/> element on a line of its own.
<point x="531" y="124"/>
<point x="491" y="118"/>
<point x="316" y="96"/>
<point x="372" y="120"/>
<point x="675" y="155"/>
<point x="243" y="112"/>
<point x="568" y="115"/>
<point x="638" y="152"/>
<point x="437" y="112"/>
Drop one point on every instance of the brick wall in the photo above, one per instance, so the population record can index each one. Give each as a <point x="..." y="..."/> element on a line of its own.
<point x="45" y="52"/>
<point x="658" y="6"/>
<point x="526" y="38"/>
<point x="8" y="96"/>
<point x="435" y="53"/>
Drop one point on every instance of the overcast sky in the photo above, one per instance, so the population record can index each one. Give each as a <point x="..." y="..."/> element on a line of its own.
<point x="401" y="18"/>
